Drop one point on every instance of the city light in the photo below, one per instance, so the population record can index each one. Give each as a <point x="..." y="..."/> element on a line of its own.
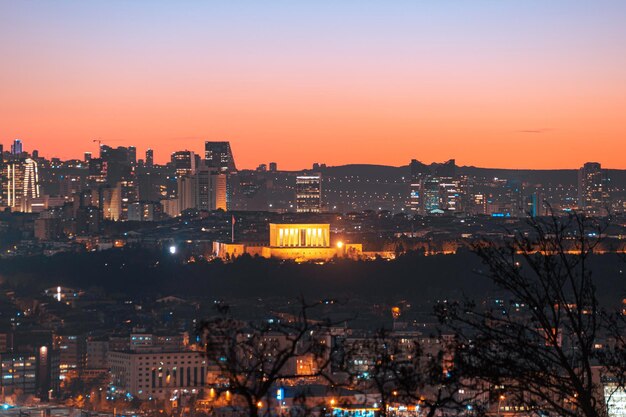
<point x="172" y="250"/>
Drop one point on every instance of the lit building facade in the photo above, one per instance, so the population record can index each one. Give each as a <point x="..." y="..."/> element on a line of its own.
<point x="184" y="162"/>
<point x="158" y="375"/>
<point x="20" y="183"/>
<point x="593" y="190"/>
<point x="219" y="155"/>
<point x="299" y="235"/>
<point x="204" y="190"/>
<point x="300" y="242"/>
<point x="18" y="372"/>
<point x="309" y="193"/>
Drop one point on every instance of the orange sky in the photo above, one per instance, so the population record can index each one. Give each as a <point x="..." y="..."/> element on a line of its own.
<point x="518" y="86"/>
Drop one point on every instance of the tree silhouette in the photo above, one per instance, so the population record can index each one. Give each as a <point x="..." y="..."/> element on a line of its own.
<point x="542" y="345"/>
<point x="252" y="360"/>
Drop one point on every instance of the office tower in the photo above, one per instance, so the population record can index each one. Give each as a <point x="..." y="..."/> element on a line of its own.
<point x="593" y="190"/>
<point x="309" y="193"/>
<point x="203" y="190"/>
<point x="415" y="196"/>
<point x="219" y="155"/>
<point x="118" y="163"/>
<point x="18" y="373"/>
<point x="273" y="167"/>
<point x="185" y="194"/>
<point x="417" y="173"/>
<point x="20" y="183"/>
<point x="129" y="194"/>
<point x="16" y="147"/>
<point x="149" y="158"/>
<point x="430" y="196"/>
<point x="450" y="195"/>
<point x="132" y="155"/>
<point x="210" y="189"/>
<point x="35" y="154"/>
<point x="87" y="157"/>
<point x="111" y="198"/>
<point x="184" y="162"/>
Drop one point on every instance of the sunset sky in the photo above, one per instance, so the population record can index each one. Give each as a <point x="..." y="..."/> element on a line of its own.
<point x="520" y="84"/>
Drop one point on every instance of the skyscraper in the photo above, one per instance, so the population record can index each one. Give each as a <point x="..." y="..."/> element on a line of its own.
<point x="132" y="155"/>
<point x="149" y="158"/>
<point x="430" y="196"/>
<point x="184" y="162"/>
<point x="20" y="183"/>
<point x="219" y="155"/>
<point x="16" y="147"/>
<point x="593" y="190"/>
<point x="210" y="189"/>
<point x="309" y="193"/>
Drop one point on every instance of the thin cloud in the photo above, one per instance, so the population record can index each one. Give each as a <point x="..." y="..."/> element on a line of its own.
<point x="544" y="130"/>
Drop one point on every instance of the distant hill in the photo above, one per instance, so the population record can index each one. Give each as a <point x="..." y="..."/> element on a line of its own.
<point x="567" y="177"/>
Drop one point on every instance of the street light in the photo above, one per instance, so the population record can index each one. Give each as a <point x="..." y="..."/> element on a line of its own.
<point x="500" y="399"/>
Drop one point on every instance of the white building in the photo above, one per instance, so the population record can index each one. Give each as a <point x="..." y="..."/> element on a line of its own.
<point x="158" y="375"/>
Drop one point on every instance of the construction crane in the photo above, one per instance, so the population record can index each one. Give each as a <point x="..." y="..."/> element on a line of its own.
<point x="99" y="140"/>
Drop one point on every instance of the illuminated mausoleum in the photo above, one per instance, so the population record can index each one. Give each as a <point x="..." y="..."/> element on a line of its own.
<point x="302" y="242"/>
<point x="299" y="235"/>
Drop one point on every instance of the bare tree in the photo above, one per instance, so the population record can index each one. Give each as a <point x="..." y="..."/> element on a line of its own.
<point x="542" y="346"/>
<point x="408" y="371"/>
<point x="252" y="360"/>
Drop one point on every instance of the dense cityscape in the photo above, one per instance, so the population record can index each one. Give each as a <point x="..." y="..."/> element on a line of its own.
<point x="112" y="265"/>
<point x="347" y="208"/>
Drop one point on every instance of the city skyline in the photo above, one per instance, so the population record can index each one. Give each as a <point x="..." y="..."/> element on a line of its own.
<point x="353" y="208"/>
<point x="334" y="83"/>
<point x="142" y="155"/>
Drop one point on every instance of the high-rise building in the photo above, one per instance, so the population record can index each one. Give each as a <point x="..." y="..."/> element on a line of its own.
<point x="210" y="189"/>
<point x="309" y="193"/>
<point x="149" y="158"/>
<point x="112" y="202"/>
<point x="132" y="155"/>
<point x="118" y="163"/>
<point x="204" y="190"/>
<point x="219" y="155"/>
<point x="20" y="180"/>
<point x="184" y="162"/>
<point x="87" y="157"/>
<point x="450" y="195"/>
<point x="18" y="373"/>
<point x="273" y="167"/>
<point x="430" y="196"/>
<point x="16" y="147"/>
<point x="593" y="190"/>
